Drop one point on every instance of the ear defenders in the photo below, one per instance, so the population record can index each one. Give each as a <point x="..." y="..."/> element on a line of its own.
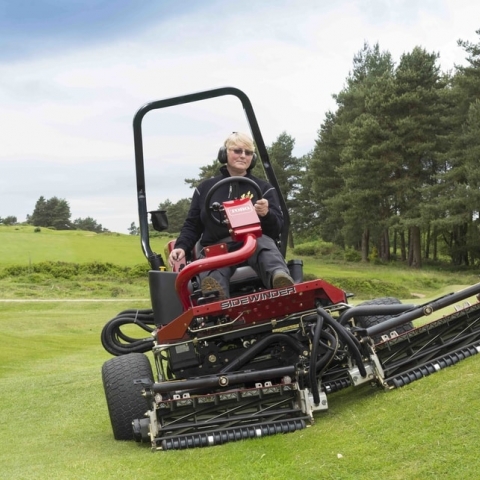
<point x="222" y="157"/>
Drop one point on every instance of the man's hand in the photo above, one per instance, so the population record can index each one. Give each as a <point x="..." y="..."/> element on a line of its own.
<point x="261" y="207"/>
<point x="176" y="255"/>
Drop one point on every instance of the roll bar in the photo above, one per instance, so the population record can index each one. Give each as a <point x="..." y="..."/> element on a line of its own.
<point x="156" y="260"/>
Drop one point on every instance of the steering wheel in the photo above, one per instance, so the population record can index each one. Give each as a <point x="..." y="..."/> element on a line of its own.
<point x="209" y="208"/>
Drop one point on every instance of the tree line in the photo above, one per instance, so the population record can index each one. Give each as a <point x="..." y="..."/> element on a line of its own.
<point x="55" y="213"/>
<point x="394" y="170"/>
<point x="395" y="167"/>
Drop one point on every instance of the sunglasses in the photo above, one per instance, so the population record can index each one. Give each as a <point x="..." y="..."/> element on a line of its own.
<point x="239" y="151"/>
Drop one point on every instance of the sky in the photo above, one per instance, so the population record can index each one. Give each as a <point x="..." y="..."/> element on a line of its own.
<point x="73" y="73"/>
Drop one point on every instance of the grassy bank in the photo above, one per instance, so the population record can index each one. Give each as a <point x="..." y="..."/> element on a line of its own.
<point x="26" y="248"/>
<point x="24" y="245"/>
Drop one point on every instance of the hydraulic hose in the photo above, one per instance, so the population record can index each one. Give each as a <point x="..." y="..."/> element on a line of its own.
<point x="315" y="366"/>
<point x="349" y="339"/>
<point x="323" y="363"/>
<point x="259" y="346"/>
<point x="312" y="373"/>
<point x="117" y="343"/>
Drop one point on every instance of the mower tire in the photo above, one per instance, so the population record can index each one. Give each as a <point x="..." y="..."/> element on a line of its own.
<point x="371" y="320"/>
<point x="124" y="378"/>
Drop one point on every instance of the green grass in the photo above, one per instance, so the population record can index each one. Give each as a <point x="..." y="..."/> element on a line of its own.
<point x="38" y="287"/>
<point x="55" y="425"/>
<point x="369" y="280"/>
<point x="22" y="245"/>
<point x="54" y="420"/>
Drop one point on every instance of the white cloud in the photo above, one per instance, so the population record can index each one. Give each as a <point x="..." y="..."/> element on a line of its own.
<point x="72" y="111"/>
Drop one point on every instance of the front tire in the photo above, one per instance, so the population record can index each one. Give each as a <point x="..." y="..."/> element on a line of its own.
<point x="124" y="379"/>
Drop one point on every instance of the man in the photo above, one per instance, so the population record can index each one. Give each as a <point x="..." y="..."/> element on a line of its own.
<point x="239" y="158"/>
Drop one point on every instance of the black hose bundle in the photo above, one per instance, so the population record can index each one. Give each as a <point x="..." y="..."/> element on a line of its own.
<point x="323" y="317"/>
<point x="114" y="341"/>
<point x="261" y="345"/>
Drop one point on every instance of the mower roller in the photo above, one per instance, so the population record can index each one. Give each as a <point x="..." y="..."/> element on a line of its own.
<point x="262" y="361"/>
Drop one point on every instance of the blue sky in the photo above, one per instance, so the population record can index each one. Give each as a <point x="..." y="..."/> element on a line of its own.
<point x="73" y="73"/>
<point x="40" y="28"/>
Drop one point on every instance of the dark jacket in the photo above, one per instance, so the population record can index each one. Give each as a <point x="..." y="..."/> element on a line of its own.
<point x="195" y="224"/>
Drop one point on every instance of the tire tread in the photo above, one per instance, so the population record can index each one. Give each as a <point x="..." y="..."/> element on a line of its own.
<point x="124" y="399"/>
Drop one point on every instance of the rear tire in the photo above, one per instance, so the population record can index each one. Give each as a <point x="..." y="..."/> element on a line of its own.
<point x="369" y="321"/>
<point x="123" y="391"/>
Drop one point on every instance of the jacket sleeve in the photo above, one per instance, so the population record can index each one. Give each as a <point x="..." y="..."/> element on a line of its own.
<point x="193" y="227"/>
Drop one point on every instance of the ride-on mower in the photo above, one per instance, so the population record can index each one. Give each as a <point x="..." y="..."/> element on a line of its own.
<point x="262" y="361"/>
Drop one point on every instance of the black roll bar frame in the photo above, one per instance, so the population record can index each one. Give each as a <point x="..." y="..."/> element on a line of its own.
<point x="154" y="259"/>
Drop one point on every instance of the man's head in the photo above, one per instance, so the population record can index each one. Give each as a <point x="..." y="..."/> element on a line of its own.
<point x="238" y="153"/>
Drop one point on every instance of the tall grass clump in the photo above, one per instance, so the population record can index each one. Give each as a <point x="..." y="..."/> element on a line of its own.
<point x="76" y="280"/>
<point x="319" y="248"/>
<point x="68" y="271"/>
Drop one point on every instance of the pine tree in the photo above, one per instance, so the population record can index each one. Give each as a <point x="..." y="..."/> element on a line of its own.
<point x="346" y="155"/>
<point x="326" y="181"/>
<point x="288" y="171"/>
<point x="417" y="110"/>
<point x="54" y="213"/>
<point x="303" y="209"/>
<point x="455" y="211"/>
